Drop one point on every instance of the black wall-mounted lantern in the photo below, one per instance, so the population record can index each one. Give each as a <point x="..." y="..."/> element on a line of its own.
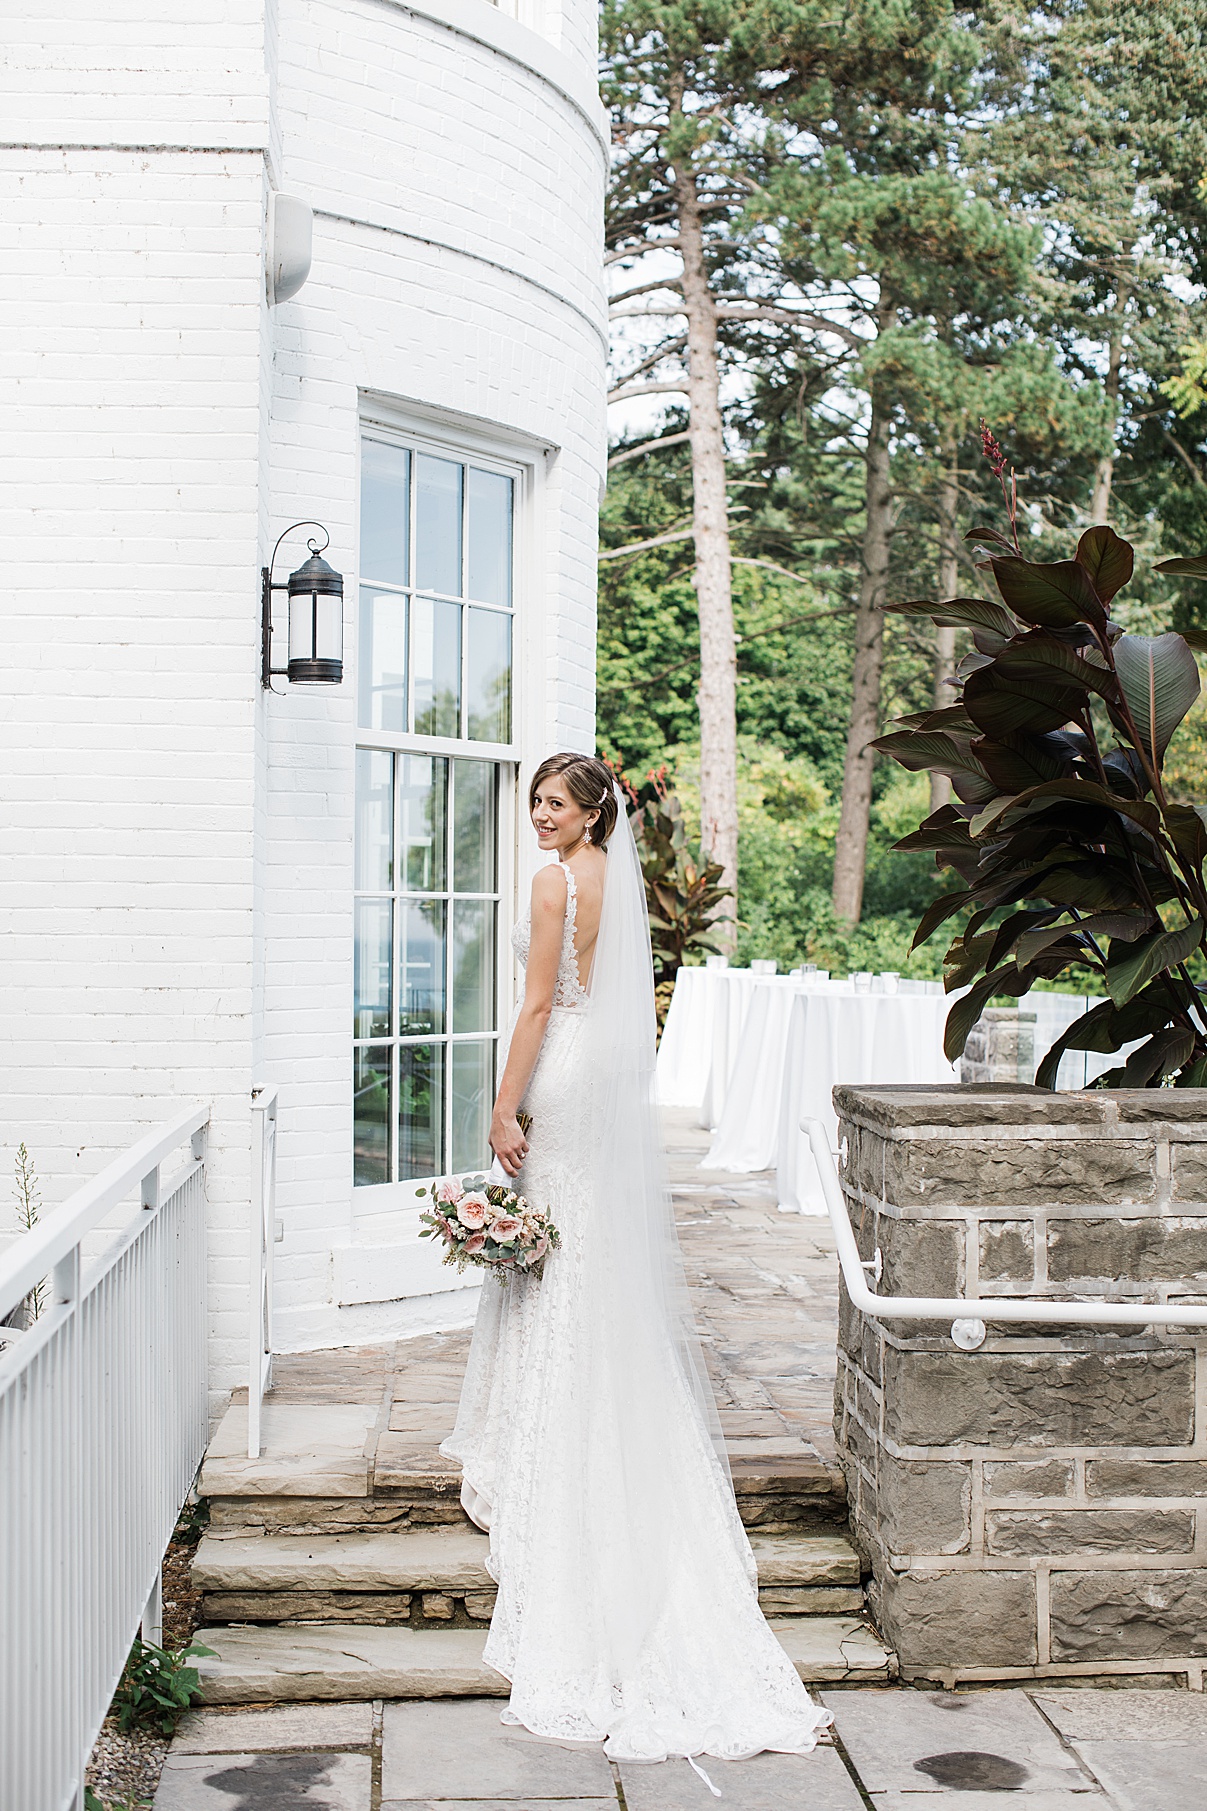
<point x="316" y="618"/>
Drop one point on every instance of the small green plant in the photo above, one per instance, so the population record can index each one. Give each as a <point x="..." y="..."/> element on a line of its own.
<point x="157" y="1686"/>
<point x="93" y="1802"/>
<point x="29" y="1212"/>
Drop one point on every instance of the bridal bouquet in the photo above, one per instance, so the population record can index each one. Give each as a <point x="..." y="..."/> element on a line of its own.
<point x="488" y="1224"/>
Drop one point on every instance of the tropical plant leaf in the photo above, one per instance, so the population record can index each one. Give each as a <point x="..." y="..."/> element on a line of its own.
<point x="1124" y="927"/>
<point x="1042" y="655"/>
<point x="960" y="613"/>
<point x="940" y="753"/>
<point x="1159" y="677"/>
<point x="1194" y="638"/>
<point x="998" y="708"/>
<point x="1054" y="594"/>
<point x="1193" y="568"/>
<point x="968" y="1008"/>
<point x="932" y="837"/>
<point x="1195" y="1075"/>
<point x="1158" y="951"/>
<point x="1158" y="1057"/>
<point x="1011" y="934"/>
<point x="1107" y="558"/>
<point x="1017" y="760"/>
<point x="937" y="913"/>
<point x="1188" y="832"/>
<point x="990" y="535"/>
<point x="1088" y="792"/>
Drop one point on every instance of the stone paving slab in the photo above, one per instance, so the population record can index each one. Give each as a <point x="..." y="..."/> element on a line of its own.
<point x="265" y="1782"/>
<point x="1085" y="1715"/>
<point x="451" y="1751"/>
<point x="768" y="1782"/>
<point x="1150" y="1776"/>
<point x="308" y="1449"/>
<point x="945" y="1743"/>
<point x="288" y="1726"/>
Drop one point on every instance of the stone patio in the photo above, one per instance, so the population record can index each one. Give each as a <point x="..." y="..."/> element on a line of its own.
<point x="1076" y="1750"/>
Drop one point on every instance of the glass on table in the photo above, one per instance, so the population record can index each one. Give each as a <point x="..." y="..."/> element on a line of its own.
<point x="861" y="980"/>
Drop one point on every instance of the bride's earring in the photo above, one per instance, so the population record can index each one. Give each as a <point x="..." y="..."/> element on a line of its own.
<point x="587" y="834"/>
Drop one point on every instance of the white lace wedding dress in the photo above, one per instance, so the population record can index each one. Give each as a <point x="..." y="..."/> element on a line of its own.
<point x="627" y="1603"/>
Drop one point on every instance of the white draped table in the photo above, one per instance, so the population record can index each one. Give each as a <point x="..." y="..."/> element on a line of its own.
<point x="843" y="1036"/>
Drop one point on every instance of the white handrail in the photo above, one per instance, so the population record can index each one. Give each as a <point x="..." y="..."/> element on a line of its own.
<point x="262" y="1238"/>
<point x="103" y="1423"/>
<point x="34" y="1255"/>
<point x="969" y="1315"/>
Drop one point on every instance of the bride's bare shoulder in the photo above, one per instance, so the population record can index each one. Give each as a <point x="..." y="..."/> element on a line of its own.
<point x="549" y="889"/>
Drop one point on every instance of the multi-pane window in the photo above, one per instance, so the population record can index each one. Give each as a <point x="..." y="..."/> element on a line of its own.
<point x="436" y="595"/>
<point x="434" y="664"/>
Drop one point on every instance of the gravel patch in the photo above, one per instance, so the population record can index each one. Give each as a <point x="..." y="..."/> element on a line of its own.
<point x="124" y="1769"/>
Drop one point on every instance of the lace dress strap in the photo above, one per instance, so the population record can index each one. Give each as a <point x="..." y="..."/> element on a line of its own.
<point x="569" y="990"/>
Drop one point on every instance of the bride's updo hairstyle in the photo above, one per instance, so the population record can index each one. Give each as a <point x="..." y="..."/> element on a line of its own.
<point x="589" y="784"/>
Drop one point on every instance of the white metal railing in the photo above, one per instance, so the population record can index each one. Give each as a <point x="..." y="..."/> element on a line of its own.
<point x="969" y="1315"/>
<point x="263" y="1232"/>
<point x="102" y="1427"/>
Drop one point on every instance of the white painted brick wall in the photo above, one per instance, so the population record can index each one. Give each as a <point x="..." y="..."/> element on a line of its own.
<point x="176" y="868"/>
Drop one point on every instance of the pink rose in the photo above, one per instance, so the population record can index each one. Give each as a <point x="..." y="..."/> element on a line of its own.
<point x="505" y="1228"/>
<point x="471" y="1211"/>
<point x="474" y="1243"/>
<point x="446" y="1231"/>
<point x="449" y="1191"/>
<point x="541" y="1247"/>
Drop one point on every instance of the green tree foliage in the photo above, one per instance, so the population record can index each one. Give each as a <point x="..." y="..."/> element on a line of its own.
<point x="934" y="214"/>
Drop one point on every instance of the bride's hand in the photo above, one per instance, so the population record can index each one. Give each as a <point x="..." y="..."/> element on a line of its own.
<point x="507" y="1141"/>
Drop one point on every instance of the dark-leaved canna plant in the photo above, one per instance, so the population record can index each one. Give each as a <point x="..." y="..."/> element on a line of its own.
<point x="682" y="893"/>
<point x="1070" y="851"/>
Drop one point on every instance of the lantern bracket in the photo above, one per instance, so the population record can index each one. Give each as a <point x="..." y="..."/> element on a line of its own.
<point x="267" y="586"/>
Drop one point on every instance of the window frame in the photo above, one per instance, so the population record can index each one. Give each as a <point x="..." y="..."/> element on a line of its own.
<point x="488" y="453"/>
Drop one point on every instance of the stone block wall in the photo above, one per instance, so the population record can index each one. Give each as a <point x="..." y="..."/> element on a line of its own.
<point x="1037" y="1507"/>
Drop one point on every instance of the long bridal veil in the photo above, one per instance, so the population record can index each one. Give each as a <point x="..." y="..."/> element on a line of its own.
<point x="648" y="1374"/>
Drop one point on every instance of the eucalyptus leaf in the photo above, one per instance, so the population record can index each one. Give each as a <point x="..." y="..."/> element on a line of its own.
<point x="1159" y="677"/>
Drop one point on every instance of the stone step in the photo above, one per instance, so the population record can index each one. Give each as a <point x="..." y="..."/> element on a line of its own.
<point x="439" y="1575"/>
<point x="339" y="1661"/>
<point x="329" y="1468"/>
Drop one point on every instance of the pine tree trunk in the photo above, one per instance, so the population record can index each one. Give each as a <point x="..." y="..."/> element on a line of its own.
<point x="1104" y="472"/>
<point x="850" y="847"/>
<point x="710" y="525"/>
<point x="949" y="584"/>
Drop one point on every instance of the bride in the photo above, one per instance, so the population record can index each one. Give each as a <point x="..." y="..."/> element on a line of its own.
<point x="627" y="1607"/>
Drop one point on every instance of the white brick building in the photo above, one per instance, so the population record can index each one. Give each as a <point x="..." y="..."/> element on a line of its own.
<point x="181" y="852"/>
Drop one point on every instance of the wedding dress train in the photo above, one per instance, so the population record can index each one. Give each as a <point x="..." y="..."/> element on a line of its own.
<point x="627" y="1607"/>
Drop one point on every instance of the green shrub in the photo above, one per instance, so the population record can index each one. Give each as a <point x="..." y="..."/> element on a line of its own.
<point x="157" y="1686"/>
